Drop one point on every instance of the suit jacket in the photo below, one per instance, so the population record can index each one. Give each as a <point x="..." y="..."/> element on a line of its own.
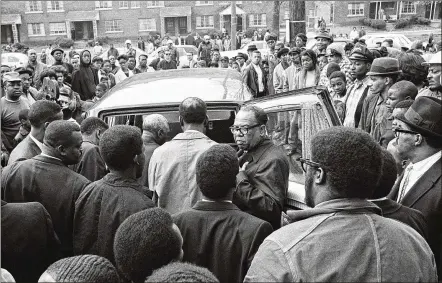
<point x="91" y="165"/>
<point x="26" y="149"/>
<point x="370" y="111"/>
<point x="29" y="243"/>
<point x="426" y="196"/>
<point x="50" y="182"/>
<point x="251" y="79"/>
<point x="262" y="188"/>
<point x="222" y="238"/>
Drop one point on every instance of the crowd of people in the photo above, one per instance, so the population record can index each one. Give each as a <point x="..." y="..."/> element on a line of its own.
<point x="83" y="201"/>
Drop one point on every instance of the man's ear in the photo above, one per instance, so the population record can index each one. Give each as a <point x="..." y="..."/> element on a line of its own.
<point x="418" y="140"/>
<point x="181" y="121"/>
<point x="62" y="150"/>
<point x="46" y="124"/>
<point x="319" y="176"/>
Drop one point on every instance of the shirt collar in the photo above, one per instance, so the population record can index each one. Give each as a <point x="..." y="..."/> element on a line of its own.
<point x="421" y="164"/>
<point x="37" y="142"/>
<point x="45" y="155"/>
<point x="206" y="200"/>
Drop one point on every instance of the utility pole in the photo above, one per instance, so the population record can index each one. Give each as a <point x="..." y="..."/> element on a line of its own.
<point x="297" y="19"/>
<point x="275" y="22"/>
<point x="233" y="25"/>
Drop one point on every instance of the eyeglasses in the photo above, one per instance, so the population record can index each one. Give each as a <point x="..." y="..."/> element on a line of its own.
<point x="308" y="162"/>
<point x="397" y="132"/>
<point x="270" y="42"/>
<point x="244" y="130"/>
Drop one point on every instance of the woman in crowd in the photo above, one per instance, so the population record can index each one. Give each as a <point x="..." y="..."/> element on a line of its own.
<point x="85" y="78"/>
<point x="308" y="76"/>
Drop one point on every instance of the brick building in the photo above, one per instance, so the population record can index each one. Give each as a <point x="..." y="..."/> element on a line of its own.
<point x="46" y="20"/>
<point x="343" y="13"/>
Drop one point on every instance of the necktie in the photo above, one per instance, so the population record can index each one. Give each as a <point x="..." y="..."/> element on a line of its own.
<point x="404" y="187"/>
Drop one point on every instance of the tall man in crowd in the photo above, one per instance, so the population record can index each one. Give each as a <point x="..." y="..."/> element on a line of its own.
<point x="262" y="181"/>
<point x="204" y="50"/>
<point x="418" y="139"/>
<point x="41" y="114"/>
<point x="36" y="67"/>
<point x="172" y="168"/>
<point x="106" y="203"/>
<point x="254" y="76"/>
<point x="47" y="179"/>
<point x="91" y="164"/>
<point x="320" y="246"/>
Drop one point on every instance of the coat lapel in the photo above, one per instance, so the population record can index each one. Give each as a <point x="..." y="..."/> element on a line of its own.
<point x="423" y="185"/>
<point x="395" y="190"/>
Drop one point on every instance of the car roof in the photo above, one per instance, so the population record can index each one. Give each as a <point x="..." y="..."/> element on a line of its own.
<point x="171" y="87"/>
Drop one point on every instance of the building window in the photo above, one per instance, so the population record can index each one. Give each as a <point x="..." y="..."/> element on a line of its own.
<point x="103" y="4"/>
<point x="113" y="26"/>
<point x="123" y="4"/>
<point x="55" y="6"/>
<point x="356" y="9"/>
<point x="226" y="2"/>
<point x="155" y="4"/>
<point x="135" y="4"/>
<point x="257" y="20"/>
<point x="147" y="25"/>
<point x="33" y="6"/>
<point x="36" y="29"/>
<point x="408" y="7"/>
<point x="57" y="28"/>
<point x="201" y="3"/>
<point x="204" y="22"/>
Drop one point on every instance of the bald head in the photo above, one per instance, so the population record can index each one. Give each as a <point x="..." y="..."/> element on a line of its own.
<point x="157" y="126"/>
<point x="405" y="89"/>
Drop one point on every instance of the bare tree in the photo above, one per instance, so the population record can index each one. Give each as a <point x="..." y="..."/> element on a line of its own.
<point x="276" y="11"/>
<point x="297" y="19"/>
<point x="233" y="25"/>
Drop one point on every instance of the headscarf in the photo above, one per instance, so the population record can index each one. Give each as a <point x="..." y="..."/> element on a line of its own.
<point x="85" y="79"/>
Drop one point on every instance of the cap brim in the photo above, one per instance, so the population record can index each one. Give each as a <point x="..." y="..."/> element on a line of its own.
<point x="418" y="129"/>
<point x="431" y="63"/>
<point x="358" y="57"/>
<point x="383" y="74"/>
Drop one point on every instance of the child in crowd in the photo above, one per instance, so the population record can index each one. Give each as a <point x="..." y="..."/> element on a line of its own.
<point x="100" y="90"/>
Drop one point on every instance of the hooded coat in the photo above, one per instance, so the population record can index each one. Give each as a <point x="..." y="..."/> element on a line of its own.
<point x="85" y="79"/>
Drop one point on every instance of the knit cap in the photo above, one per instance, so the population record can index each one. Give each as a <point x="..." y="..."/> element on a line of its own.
<point x="83" y="268"/>
<point x="181" y="272"/>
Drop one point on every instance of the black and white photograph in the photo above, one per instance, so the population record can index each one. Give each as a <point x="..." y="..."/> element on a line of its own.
<point x="221" y="141"/>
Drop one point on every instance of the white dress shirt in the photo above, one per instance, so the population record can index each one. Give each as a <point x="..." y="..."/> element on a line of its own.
<point x="418" y="169"/>
<point x="259" y="72"/>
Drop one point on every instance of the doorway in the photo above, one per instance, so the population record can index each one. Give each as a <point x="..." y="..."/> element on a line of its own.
<point x="227" y="20"/>
<point x="7" y="36"/>
<point x="83" y="30"/>
<point x="239" y="21"/>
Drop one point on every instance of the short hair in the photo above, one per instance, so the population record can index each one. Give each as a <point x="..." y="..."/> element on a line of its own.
<point x="389" y="41"/>
<point x="405" y="88"/>
<point x="404" y="104"/>
<point x="412" y="68"/>
<point x="216" y="171"/>
<point x="23" y="114"/>
<point x="90" y="124"/>
<point x="119" y="145"/>
<point x="331" y="68"/>
<point x="123" y="56"/>
<point x="193" y="110"/>
<point x="103" y="86"/>
<point x="259" y="113"/>
<point x="60" y="133"/>
<point x="59" y="69"/>
<point x="145" y="241"/>
<point x="154" y="122"/>
<point x="350" y="158"/>
<point x="337" y="74"/>
<point x="256" y="52"/>
<point x="83" y="268"/>
<point x="47" y="73"/>
<point x="182" y="272"/>
<point x="302" y="36"/>
<point x="145" y="55"/>
<point x="310" y="53"/>
<point x="388" y="175"/>
<point x="349" y="46"/>
<point x="96" y="59"/>
<point x="43" y="111"/>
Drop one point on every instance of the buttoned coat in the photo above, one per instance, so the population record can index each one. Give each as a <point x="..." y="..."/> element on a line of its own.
<point x="48" y="181"/>
<point x="221" y="237"/>
<point x="426" y="196"/>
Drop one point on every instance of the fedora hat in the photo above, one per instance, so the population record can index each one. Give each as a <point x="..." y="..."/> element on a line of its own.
<point x="424" y="116"/>
<point x="282" y="52"/>
<point x="56" y="49"/>
<point x="384" y="66"/>
<point x="324" y="34"/>
<point x="252" y="47"/>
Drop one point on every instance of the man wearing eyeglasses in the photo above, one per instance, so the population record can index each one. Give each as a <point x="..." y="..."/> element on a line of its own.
<point x="419" y="139"/>
<point x="344" y="237"/>
<point x="167" y="63"/>
<point x="262" y="181"/>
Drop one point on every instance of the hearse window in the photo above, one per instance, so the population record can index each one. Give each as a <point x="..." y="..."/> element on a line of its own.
<point x="217" y="129"/>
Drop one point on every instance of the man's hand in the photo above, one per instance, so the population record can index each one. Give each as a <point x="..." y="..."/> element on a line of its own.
<point x="244" y="166"/>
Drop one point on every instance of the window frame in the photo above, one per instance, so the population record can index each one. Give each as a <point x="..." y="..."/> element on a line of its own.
<point x="152" y="19"/>
<point x="408" y="5"/>
<point x="113" y="31"/>
<point x="149" y="4"/>
<point x="260" y="21"/>
<point x="132" y="6"/>
<point x="123" y="7"/>
<point x="41" y="28"/>
<point x="49" y="5"/>
<point x="205" y="27"/>
<point x="98" y="6"/>
<point x="198" y="3"/>
<point x="349" y="10"/>
<point x="50" y="30"/>
<point x="28" y="7"/>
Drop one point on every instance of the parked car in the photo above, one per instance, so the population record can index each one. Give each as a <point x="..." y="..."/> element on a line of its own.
<point x="304" y="111"/>
<point x="14" y="60"/>
<point x="182" y="51"/>
<point x="399" y="40"/>
<point x="260" y="45"/>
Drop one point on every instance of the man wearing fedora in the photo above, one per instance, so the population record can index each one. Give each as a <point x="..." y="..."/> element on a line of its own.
<point x="419" y="140"/>
<point x="250" y="49"/>
<point x="279" y="74"/>
<point x="434" y="77"/>
<point x="57" y="53"/>
<point x="383" y="74"/>
<point x="323" y="39"/>
<point x="361" y="59"/>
